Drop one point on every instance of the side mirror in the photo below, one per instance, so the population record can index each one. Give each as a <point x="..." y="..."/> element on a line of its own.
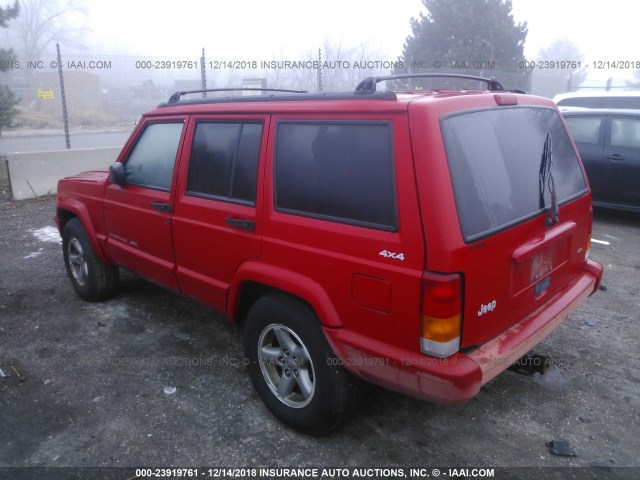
<point x="117" y="174"/>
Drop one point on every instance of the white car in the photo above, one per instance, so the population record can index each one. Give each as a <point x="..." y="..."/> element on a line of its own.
<point x="624" y="99"/>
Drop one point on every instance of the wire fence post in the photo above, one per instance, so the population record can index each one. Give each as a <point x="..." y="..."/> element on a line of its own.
<point x="319" y="70"/>
<point x="203" y="74"/>
<point x="63" y="98"/>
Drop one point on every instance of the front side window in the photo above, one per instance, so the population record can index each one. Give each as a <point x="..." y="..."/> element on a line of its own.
<point x="337" y="171"/>
<point x="224" y="161"/>
<point x="625" y="132"/>
<point x="495" y="158"/>
<point x="585" y="129"/>
<point x="150" y="163"/>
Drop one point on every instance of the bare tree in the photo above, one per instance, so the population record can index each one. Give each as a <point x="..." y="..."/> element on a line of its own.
<point x="566" y="68"/>
<point x="42" y="23"/>
<point x="635" y="82"/>
<point x="332" y="68"/>
<point x="346" y="67"/>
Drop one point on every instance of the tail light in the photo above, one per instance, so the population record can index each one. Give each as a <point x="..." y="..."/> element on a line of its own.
<point x="588" y="247"/>
<point x="441" y="316"/>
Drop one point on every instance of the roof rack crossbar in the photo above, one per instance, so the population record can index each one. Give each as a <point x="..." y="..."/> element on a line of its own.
<point x="175" y="98"/>
<point x="368" y="85"/>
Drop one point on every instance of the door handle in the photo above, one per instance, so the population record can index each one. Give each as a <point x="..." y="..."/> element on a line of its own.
<point x="241" y="223"/>
<point x="615" y="157"/>
<point x="163" y="207"/>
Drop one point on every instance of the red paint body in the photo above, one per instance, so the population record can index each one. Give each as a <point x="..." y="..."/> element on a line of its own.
<point x="369" y="304"/>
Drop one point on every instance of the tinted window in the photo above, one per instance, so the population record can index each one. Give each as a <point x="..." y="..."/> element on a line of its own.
<point x="150" y="164"/>
<point x="585" y="129"/>
<point x="602" y="102"/>
<point x="621" y="102"/>
<point x="341" y="172"/>
<point x="494" y="158"/>
<point x="586" y="102"/>
<point x="625" y="132"/>
<point x="224" y="161"/>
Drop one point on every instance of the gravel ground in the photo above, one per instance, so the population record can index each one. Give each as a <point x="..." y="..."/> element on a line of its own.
<point x="90" y="385"/>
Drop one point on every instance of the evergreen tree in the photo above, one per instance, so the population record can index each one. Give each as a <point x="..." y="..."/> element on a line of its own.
<point x="8" y="100"/>
<point x="635" y="83"/>
<point x="568" y="74"/>
<point x="468" y="36"/>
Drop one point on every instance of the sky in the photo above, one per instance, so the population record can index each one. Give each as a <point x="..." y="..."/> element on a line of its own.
<point x="295" y="29"/>
<point x="273" y="28"/>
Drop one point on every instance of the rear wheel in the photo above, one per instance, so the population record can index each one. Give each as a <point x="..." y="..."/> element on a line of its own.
<point x="90" y="277"/>
<point x="293" y="368"/>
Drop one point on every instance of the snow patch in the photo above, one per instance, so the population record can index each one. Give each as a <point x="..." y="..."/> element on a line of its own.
<point x="109" y="311"/>
<point x="34" y="254"/>
<point x="47" y="234"/>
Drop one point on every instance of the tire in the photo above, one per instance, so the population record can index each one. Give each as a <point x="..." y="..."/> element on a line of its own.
<point x="293" y="368"/>
<point x="91" y="278"/>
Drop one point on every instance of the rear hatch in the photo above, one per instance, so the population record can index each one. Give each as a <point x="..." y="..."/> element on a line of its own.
<point x="513" y="253"/>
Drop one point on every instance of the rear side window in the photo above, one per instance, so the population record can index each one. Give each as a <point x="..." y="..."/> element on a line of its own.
<point x="337" y="171"/>
<point x="585" y="129"/>
<point x="224" y="161"/>
<point x="625" y="132"/>
<point x="150" y="163"/>
<point x="494" y="158"/>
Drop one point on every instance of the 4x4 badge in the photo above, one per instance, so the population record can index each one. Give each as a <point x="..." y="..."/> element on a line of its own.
<point x="388" y="254"/>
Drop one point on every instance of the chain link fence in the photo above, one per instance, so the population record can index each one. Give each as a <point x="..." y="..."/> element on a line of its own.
<point x="113" y="91"/>
<point x="109" y="93"/>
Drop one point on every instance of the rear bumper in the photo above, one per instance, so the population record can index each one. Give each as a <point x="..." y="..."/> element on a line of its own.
<point x="459" y="377"/>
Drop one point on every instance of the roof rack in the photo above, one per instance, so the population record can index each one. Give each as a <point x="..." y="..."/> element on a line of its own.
<point x="368" y="85"/>
<point x="299" y="96"/>
<point x="175" y="98"/>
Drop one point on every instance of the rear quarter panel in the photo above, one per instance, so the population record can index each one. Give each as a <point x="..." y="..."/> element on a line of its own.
<point x="373" y="295"/>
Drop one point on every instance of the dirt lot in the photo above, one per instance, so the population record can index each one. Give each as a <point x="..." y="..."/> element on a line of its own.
<point x="87" y="381"/>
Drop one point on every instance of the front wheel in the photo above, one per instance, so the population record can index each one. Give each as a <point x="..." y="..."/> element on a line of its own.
<point x="293" y="368"/>
<point x="90" y="277"/>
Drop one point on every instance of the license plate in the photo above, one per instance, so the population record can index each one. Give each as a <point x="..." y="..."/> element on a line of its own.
<point x="541" y="287"/>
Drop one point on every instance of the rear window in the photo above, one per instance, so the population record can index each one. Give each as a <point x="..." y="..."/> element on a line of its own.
<point x="494" y="158"/>
<point x="632" y="102"/>
<point x="585" y="102"/>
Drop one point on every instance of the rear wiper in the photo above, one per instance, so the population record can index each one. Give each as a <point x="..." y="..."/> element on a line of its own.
<point x="546" y="180"/>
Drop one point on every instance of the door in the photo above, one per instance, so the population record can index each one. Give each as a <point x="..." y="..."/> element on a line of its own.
<point x="622" y="160"/>
<point x="216" y="223"/>
<point x="138" y="214"/>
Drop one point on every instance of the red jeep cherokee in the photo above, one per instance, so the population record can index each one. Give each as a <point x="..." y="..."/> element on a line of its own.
<point x="420" y="240"/>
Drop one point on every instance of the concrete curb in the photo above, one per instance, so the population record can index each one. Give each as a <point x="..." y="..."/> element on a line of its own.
<point x="5" y="185"/>
<point x="35" y="174"/>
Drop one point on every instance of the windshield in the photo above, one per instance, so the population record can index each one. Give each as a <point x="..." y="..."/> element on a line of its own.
<point x="495" y="163"/>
